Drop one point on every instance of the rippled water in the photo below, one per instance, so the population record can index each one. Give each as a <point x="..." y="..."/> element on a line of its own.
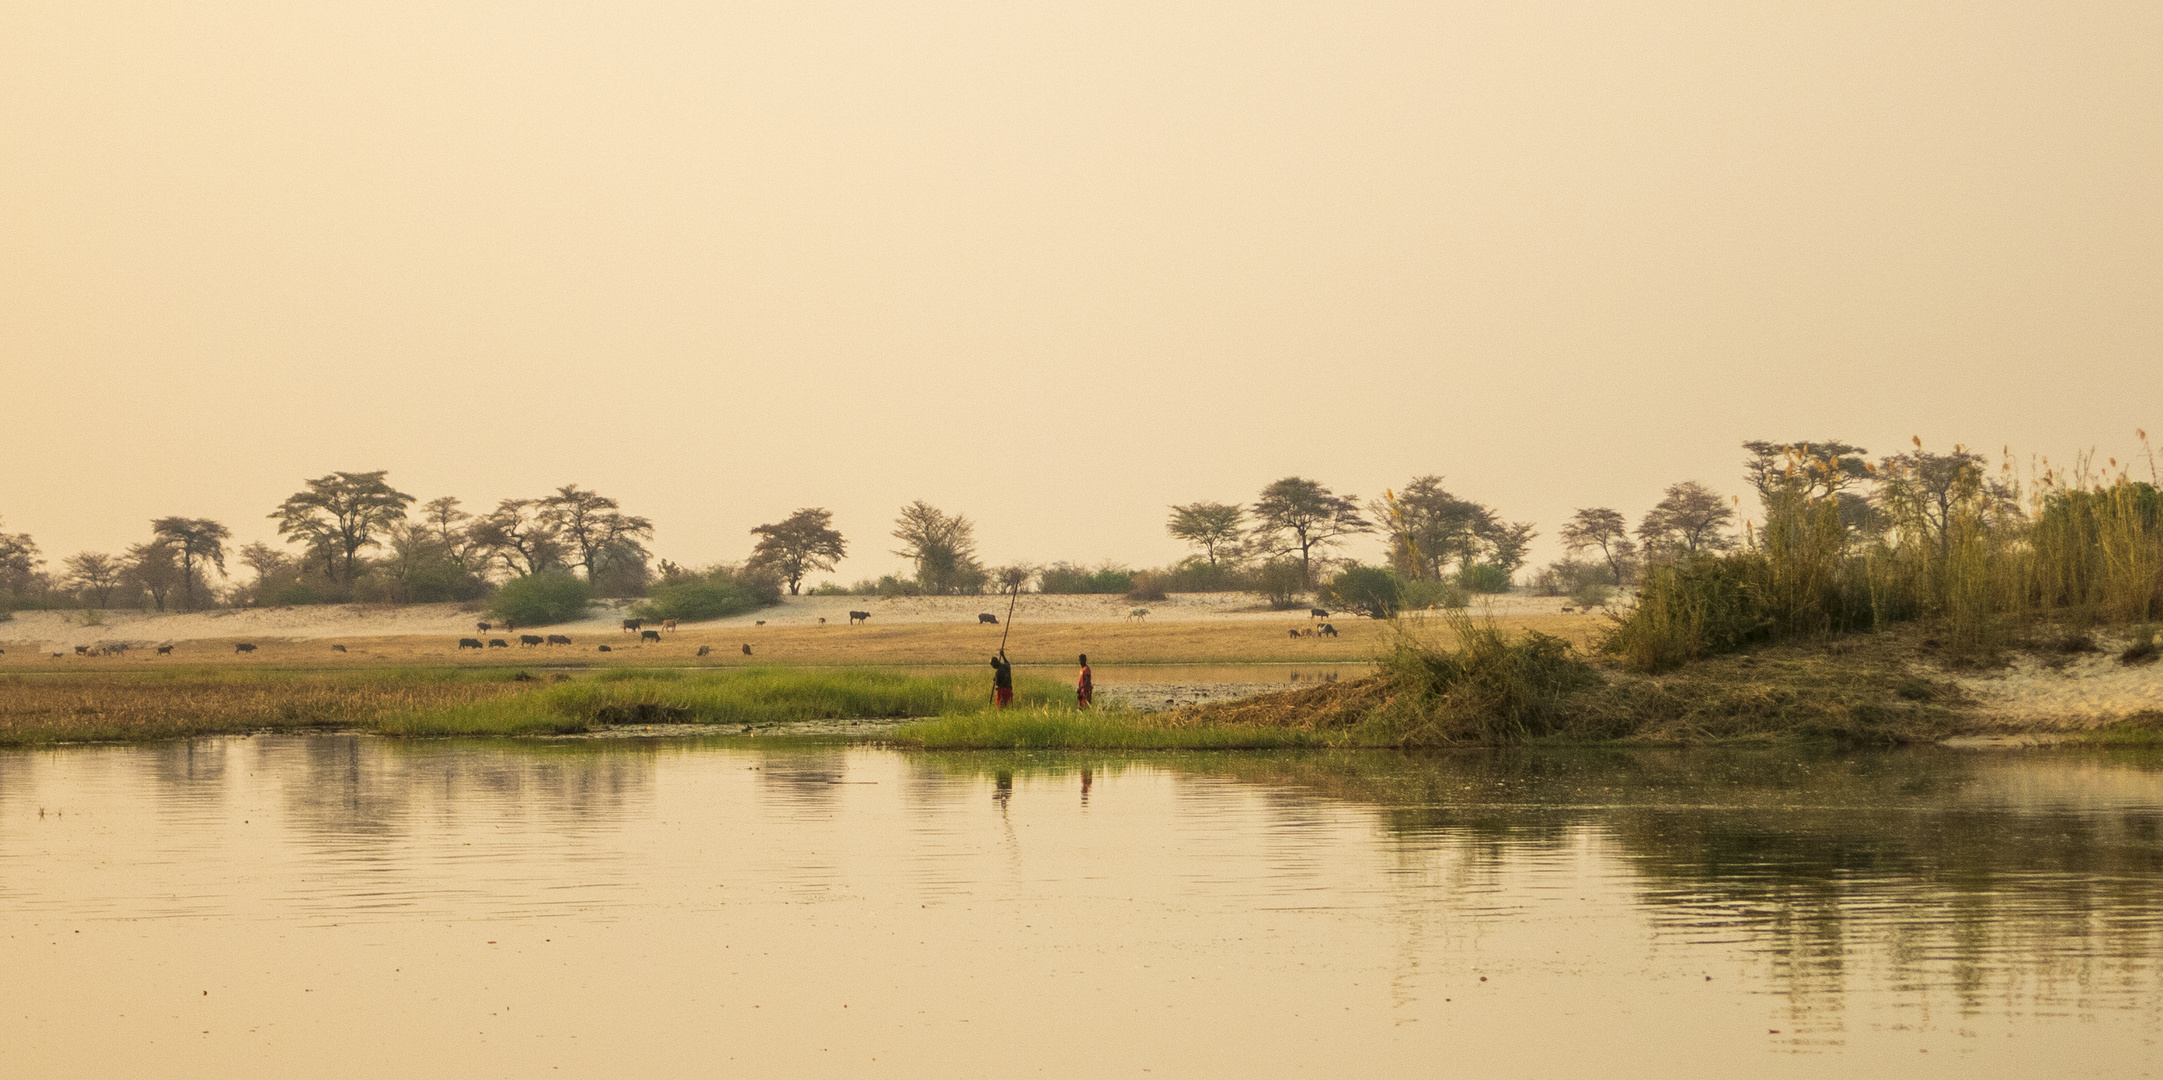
<point x="345" y="906"/>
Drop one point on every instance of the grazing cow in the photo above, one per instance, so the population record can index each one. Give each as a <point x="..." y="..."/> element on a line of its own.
<point x="243" y="647"/>
<point x="337" y="648"/>
<point x="822" y="620"/>
<point x="1295" y="635"/>
<point x="82" y="650"/>
<point x="630" y="625"/>
<point x="165" y="650"/>
<point x="1317" y="613"/>
<point x="117" y="647"/>
<point x="1327" y="630"/>
<point x="704" y="649"/>
<point x="987" y="617"/>
<point x="558" y="639"/>
<point x="645" y="636"/>
<point x="762" y="622"/>
<point x="484" y="627"/>
<point x="498" y="643"/>
<point x="529" y="640"/>
<point x="858" y="616"/>
<point x="469" y="643"/>
<point x="605" y="648"/>
<point x="747" y="650"/>
<point x="669" y="625"/>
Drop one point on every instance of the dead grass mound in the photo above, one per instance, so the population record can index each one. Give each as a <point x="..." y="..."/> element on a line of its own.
<point x="1322" y="707"/>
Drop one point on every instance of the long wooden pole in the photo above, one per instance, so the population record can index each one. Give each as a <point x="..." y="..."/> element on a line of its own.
<point x="1009" y="618"/>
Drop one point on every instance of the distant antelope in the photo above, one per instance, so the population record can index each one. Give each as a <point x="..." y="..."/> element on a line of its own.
<point x="669" y="625"/>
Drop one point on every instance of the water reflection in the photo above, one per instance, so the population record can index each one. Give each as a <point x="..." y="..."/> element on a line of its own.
<point x="1273" y="910"/>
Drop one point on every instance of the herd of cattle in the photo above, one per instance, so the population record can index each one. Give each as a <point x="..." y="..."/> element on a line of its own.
<point x="633" y="626"/>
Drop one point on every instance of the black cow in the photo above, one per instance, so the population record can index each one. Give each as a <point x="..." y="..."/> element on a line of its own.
<point x="858" y="616"/>
<point x="649" y="635"/>
<point x="747" y="650"/>
<point x="632" y="624"/>
<point x="243" y="647"/>
<point x="529" y="640"/>
<point x="1317" y="613"/>
<point x="704" y="649"/>
<point x="165" y="650"/>
<point x="469" y="643"/>
<point x="605" y="648"/>
<point x="987" y="617"/>
<point x="558" y="639"/>
<point x="1328" y="630"/>
<point x="498" y="643"/>
<point x="337" y="648"/>
<point x="82" y="650"/>
<point x="484" y="627"/>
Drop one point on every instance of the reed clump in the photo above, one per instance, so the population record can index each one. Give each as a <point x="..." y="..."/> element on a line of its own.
<point x="1939" y="540"/>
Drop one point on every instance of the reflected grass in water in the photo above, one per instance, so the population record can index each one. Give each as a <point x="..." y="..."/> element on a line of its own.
<point x="1053" y="728"/>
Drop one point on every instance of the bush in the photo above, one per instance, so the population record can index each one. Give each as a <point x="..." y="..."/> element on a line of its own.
<point x="541" y="599"/>
<point x="1370" y="590"/>
<point x="1283" y="581"/>
<point x="1070" y="579"/>
<point x="1482" y="578"/>
<point x="715" y="593"/>
<point x="1427" y="593"/>
<point x="1148" y="585"/>
<point x="1592" y="594"/>
<point x="1489" y="689"/>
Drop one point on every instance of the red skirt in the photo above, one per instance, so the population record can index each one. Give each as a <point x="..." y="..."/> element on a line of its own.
<point x="1002" y="696"/>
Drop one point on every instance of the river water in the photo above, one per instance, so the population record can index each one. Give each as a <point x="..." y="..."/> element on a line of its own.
<point x="350" y="906"/>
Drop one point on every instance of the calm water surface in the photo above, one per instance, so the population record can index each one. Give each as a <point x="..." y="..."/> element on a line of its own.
<point x="346" y="906"/>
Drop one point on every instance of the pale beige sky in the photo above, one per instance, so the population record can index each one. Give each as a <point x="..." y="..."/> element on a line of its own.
<point x="1053" y="265"/>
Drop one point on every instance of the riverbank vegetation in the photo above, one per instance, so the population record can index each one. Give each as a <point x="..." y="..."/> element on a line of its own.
<point x="41" y="709"/>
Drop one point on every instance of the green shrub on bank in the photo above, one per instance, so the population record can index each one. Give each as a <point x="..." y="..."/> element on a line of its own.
<point x="1369" y="590"/>
<point x="1482" y="578"/>
<point x="1069" y="579"/>
<point x="713" y="593"/>
<point x="541" y="599"/>
<point x="1488" y="689"/>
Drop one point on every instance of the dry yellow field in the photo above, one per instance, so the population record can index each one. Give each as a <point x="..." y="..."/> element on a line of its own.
<point x="1108" y="644"/>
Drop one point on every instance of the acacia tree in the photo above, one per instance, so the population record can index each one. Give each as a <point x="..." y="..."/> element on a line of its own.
<point x="1600" y="527"/>
<point x="1430" y="530"/>
<point x="595" y="528"/>
<point x="942" y="546"/>
<point x="445" y="523"/>
<point x="154" y="569"/>
<point x="1299" y="515"/>
<point x="18" y="560"/>
<point x="96" y="573"/>
<point x="1208" y="525"/>
<point x="516" y="534"/>
<point x="1931" y="492"/>
<point x="798" y="544"/>
<point x="340" y="514"/>
<point x="194" y="540"/>
<point x="1690" y="518"/>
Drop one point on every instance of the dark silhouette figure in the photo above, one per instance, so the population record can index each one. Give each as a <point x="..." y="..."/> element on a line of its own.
<point x="243" y="647"/>
<point x="1002" y="685"/>
<point x="1085" y="688"/>
<point x="747" y="650"/>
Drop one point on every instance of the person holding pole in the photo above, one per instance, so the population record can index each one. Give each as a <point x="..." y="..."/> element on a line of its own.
<point x="1085" y="690"/>
<point x="1002" y="680"/>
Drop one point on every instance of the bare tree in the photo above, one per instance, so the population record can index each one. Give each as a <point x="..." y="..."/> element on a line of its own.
<point x="340" y="514"/>
<point x="1691" y="518"/>
<point x="95" y="573"/>
<point x="1211" y="526"/>
<point x="942" y="546"/>
<point x="798" y="544"/>
<point x="594" y="527"/>
<point x="195" y="540"/>
<point x="1299" y="515"/>
<point x="1600" y="527"/>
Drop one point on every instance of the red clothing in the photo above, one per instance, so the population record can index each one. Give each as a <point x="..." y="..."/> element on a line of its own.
<point x="1002" y="696"/>
<point x="1085" y="691"/>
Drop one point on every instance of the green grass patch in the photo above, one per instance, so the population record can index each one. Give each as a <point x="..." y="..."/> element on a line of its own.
<point x="1054" y="728"/>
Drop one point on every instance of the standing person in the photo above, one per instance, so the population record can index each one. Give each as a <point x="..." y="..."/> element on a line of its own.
<point x="1002" y="680"/>
<point x="1085" y="690"/>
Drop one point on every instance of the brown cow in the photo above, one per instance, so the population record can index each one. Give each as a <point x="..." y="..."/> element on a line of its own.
<point x="669" y="625"/>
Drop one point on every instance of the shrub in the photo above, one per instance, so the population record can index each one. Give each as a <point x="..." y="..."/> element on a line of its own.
<point x="1482" y="578"/>
<point x="541" y="599"/>
<point x="1592" y="594"/>
<point x="1489" y="689"/>
<point x="1428" y="593"/>
<point x="1148" y="585"/>
<point x="1367" y="589"/>
<point x="1283" y="581"/>
<point x="714" y="593"/>
<point x="1070" y="578"/>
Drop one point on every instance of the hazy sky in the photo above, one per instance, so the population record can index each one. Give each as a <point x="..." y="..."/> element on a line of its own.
<point x="1054" y="265"/>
